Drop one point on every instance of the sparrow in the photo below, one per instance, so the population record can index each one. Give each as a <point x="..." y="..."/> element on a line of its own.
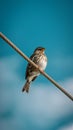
<point x="39" y="58"/>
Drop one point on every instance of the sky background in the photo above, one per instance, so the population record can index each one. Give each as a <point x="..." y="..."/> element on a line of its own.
<point x="29" y="24"/>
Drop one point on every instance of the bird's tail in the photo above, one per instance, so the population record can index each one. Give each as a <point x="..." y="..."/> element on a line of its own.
<point x="26" y="87"/>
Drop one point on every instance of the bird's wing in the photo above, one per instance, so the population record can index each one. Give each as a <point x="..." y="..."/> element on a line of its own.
<point x="30" y="68"/>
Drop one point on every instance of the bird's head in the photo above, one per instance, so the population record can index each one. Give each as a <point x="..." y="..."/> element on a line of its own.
<point x="39" y="50"/>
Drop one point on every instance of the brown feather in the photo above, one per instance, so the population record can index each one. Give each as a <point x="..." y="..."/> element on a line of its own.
<point x="26" y="87"/>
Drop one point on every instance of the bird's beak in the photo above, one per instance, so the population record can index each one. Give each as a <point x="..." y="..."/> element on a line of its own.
<point x="43" y="49"/>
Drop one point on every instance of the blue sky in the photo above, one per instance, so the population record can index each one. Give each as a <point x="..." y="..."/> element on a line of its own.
<point x="30" y="24"/>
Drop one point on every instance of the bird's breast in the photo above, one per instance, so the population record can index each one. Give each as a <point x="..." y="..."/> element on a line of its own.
<point x="42" y="62"/>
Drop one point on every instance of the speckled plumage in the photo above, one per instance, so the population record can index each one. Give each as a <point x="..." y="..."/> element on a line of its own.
<point x="39" y="58"/>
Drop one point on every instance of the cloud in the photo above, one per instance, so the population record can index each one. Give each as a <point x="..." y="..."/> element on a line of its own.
<point x="45" y="107"/>
<point x="68" y="127"/>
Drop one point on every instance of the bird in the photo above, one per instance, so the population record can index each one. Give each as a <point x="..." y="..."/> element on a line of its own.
<point x="39" y="58"/>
